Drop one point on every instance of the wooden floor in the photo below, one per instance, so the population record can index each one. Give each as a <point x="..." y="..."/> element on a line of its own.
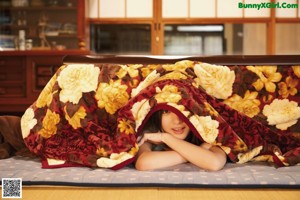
<point x="74" y="193"/>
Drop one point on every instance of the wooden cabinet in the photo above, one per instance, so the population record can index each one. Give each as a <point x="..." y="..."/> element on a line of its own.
<point x="47" y="24"/>
<point x="23" y="74"/>
<point x="56" y="28"/>
<point x="12" y="77"/>
<point x="42" y="69"/>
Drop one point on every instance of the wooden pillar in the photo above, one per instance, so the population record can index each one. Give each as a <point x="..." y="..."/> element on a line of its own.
<point x="271" y="32"/>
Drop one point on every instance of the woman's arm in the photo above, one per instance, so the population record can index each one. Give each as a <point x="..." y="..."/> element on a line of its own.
<point x="150" y="160"/>
<point x="205" y="156"/>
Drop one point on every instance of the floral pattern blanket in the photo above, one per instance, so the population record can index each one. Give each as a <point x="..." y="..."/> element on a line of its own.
<point x="92" y="114"/>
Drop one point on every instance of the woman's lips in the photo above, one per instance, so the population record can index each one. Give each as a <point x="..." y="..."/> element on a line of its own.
<point x="178" y="130"/>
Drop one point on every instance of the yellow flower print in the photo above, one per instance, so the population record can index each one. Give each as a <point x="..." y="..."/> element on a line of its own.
<point x="226" y="149"/>
<point x="145" y="83"/>
<point x="113" y="160"/>
<point x="282" y="113"/>
<point x="296" y="70"/>
<point x="267" y="77"/>
<point x="133" y="151"/>
<point x="101" y="152"/>
<point x="50" y="121"/>
<point x="76" y="79"/>
<point x="206" y="127"/>
<point x="173" y="75"/>
<point x="112" y="96"/>
<point x="181" y="108"/>
<point x="45" y="97"/>
<point x="248" y="105"/>
<point x="139" y="111"/>
<point x="169" y="94"/>
<point x="27" y="122"/>
<point x="74" y="121"/>
<point x="125" y="126"/>
<point x="210" y="109"/>
<point x="288" y="87"/>
<point x="133" y="83"/>
<point x="263" y="158"/>
<point x="216" y="80"/>
<point x="269" y="158"/>
<point x="240" y="146"/>
<point x="148" y="69"/>
<point x="153" y="76"/>
<point x="268" y="98"/>
<point x="245" y="157"/>
<point x="128" y="69"/>
<point x="179" y="66"/>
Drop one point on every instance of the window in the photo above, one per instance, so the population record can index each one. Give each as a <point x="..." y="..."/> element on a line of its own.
<point x="287" y="38"/>
<point x="193" y="39"/>
<point x="120" y="38"/>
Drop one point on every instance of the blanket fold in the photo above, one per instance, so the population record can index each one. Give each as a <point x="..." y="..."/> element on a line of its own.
<point x="92" y="114"/>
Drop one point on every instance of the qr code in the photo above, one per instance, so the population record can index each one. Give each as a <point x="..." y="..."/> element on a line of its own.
<point x="11" y="188"/>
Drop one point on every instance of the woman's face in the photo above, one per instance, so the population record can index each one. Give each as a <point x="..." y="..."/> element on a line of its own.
<point x="171" y="124"/>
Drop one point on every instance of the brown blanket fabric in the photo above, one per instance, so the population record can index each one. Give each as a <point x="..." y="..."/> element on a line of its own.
<point x="92" y="114"/>
<point x="11" y="141"/>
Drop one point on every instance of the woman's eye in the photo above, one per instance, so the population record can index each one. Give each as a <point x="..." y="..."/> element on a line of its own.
<point x="166" y="111"/>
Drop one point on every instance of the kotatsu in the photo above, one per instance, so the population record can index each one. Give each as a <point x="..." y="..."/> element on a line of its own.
<point x="92" y="114"/>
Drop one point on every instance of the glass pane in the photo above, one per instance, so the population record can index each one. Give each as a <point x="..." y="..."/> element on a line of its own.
<point x="255" y="39"/>
<point x="213" y="45"/>
<point x="288" y="38"/>
<point x="246" y="39"/>
<point x="193" y="39"/>
<point x="224" y="39"/>
<point x="120" y="38"/>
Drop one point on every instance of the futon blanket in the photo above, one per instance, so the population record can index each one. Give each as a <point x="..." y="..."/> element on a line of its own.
<point x="92" y="114"/>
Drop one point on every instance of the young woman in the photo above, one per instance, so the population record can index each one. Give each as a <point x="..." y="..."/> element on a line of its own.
<point x="168" y="141"/>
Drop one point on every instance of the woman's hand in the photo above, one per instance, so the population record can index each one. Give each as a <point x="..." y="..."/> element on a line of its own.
<point x="154" y="138"/>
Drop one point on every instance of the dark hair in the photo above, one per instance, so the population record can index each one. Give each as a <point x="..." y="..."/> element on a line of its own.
<point x="154" y="125"/>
